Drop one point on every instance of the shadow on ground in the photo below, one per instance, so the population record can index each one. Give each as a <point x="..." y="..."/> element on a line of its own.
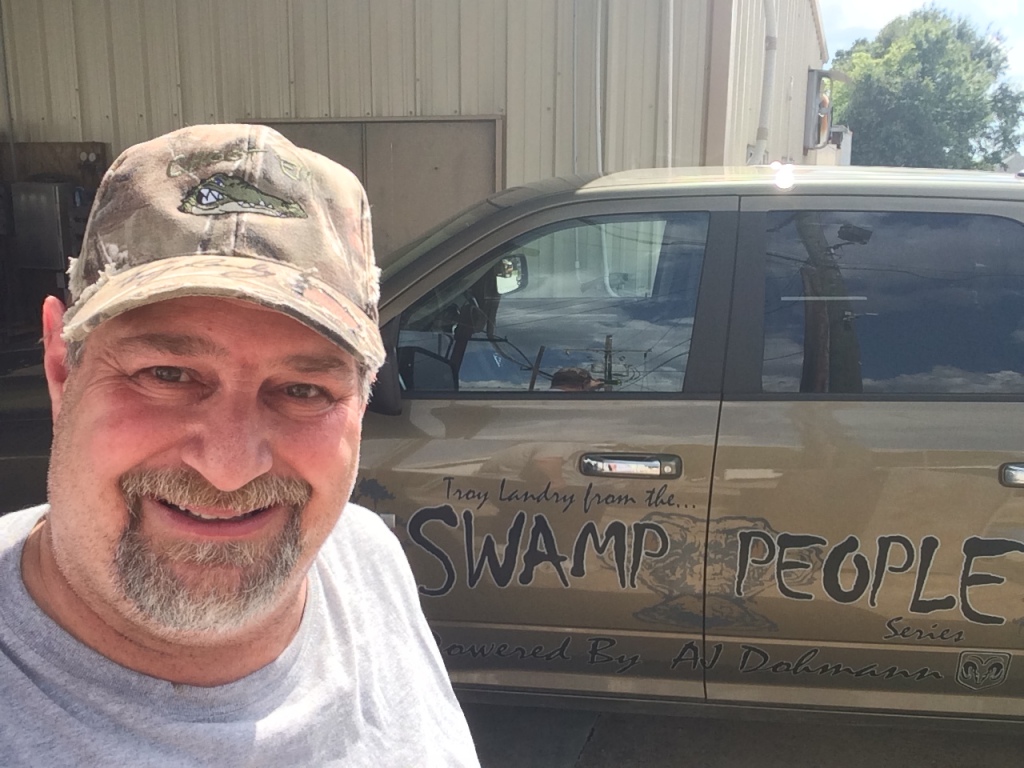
<point x="524" y="737"/>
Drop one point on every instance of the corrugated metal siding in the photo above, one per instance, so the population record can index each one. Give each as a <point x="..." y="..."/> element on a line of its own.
<point x="94" y="95"/>
<point x="41" y="59"/>
<point x="690" y="83"/>
<point x="198" y="66"/>
<point x="438" y="58"/>
<point x="483" y="41"/>
<point x="800" y="48"/>
<point x="803" y="49"/>
<point x="349" y="60"/>
<point x="311" y="59"/>
<point x="393" y="75"/>
<point x="565" y="74"/>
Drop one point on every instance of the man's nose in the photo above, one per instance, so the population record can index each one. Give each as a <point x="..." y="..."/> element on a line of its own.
<point x="230" y="442"/>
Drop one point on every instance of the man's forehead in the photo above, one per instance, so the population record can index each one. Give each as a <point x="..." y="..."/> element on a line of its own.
<point x="215" y="327"/>
<point x="331" y="360"/>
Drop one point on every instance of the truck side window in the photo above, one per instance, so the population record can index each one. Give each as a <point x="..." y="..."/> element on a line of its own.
<point x="893" y="303"/>
<point x="590" y="305"/>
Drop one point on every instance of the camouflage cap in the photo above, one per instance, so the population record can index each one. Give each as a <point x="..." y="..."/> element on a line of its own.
<point x="235" y="211"/>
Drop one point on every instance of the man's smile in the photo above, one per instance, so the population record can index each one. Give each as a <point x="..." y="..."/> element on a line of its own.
<point x="161" y="517"/>
<point x="201" y="513"/>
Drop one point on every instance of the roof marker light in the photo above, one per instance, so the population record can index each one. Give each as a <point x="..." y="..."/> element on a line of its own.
<point x="784" y="177"/>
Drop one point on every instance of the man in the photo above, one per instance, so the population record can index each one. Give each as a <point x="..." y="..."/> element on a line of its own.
<point x="197" y="591"/>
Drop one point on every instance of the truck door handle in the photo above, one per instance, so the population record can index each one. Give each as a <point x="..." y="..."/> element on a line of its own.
<point x="1012" y="475"/>
<point x="663" y="465"/>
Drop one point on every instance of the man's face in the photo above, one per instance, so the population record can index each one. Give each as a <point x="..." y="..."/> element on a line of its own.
<point x="203" y="450"/>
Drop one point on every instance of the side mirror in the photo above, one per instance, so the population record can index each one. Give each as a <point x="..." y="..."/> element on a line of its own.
<point x="510" y="274"/>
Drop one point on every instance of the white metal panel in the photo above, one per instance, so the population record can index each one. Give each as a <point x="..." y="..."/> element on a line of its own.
<point x="392" y="57"/>
<point x="804" y="50"/>
<point x="160" y="65"/>
<point x="746" y="74"/>
<point x="61" y="69"/>
<point x="530" y="81"/>
<point x="26" y="44"/>
<point x="540" y="46"/>
<point x="127" y="51"/>
<point x="198" y="52"/>
<point x="233" y="64"/>
<point x="516" y="126"/>
<point x="589" y="24"/>
<point x="349" y="61"/>
<point x="636" y="113"/>
<point x="310" y="67"/>
<point x="800" y="48"/>
<point x="691" y="19"/>
<point x="438" y="57"/>
<point x="253" y="59"/>
<point x="95" y="93"/>
<point x="270" y="56"/>
<point x="630" y="96"/>
<point x="482" y="60"/>
<point x="562" y="91"/>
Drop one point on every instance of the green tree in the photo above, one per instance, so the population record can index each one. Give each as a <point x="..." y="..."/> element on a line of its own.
<point x="929" y="91"/>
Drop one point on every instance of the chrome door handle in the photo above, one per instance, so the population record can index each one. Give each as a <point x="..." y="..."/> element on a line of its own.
<point x="1012" y="475"/>
<point x="631" y="465"/>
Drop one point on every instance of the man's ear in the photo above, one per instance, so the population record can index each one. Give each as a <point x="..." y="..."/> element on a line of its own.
<point x="54" y="351"/>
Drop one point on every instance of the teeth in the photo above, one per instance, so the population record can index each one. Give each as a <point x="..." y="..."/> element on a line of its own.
<point x="212" y="518"/>
<point x="209" y="196"/>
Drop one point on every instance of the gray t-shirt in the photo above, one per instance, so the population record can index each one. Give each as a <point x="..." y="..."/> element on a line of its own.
<point x="361" y="684"/>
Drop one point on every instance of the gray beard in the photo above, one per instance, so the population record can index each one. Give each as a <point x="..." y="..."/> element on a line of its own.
<point x="235" y="581"/>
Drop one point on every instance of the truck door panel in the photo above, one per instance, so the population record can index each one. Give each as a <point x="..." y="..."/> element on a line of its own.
<point x="551" y="484"/>
<point x="880" y="561"/>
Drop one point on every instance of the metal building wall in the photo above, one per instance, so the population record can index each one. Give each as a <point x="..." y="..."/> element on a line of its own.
<point x="629" y="76"/>
<point x="801" y="46"/>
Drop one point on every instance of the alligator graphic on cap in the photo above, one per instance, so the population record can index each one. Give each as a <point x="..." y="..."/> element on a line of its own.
<point x="222" y="193"/>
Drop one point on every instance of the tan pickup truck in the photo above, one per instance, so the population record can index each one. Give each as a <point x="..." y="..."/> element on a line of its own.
<point x="749" y="438"/>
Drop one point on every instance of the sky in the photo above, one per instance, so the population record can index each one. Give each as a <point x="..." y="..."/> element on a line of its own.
<point x="847" y="20"/>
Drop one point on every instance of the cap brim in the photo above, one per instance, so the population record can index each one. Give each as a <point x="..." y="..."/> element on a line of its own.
<point x="281" y="287"/>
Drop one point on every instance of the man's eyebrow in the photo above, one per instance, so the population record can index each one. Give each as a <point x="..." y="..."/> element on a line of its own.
<point x="172" y="343"/>
<point x="318" y="363"/>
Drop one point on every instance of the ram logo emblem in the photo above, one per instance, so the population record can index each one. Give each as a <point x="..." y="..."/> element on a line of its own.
<point x="978" y="670"/>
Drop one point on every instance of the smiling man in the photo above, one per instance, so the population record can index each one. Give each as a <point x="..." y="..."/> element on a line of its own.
<point x="197" y="590"/>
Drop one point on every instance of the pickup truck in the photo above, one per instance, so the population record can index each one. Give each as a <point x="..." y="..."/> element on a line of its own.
<point x="747" y="438"/>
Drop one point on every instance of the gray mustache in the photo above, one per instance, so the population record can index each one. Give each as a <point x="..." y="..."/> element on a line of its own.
<point x="185" y="487"/>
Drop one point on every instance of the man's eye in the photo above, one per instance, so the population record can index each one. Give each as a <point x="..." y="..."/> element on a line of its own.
<point x="304" y="391"/>
<point x="170" y="374"/>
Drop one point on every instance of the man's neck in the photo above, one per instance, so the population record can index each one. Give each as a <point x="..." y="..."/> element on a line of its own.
<point x="198" y="661"/>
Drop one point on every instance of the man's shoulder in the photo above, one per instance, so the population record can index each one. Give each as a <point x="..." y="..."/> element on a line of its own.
<point x="15" y="526"/>
<point x="362" y="531"/>
<point x="365" y="549"/>
<point x="357" y="521"/>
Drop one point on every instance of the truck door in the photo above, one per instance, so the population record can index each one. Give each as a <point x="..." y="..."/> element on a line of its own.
<point x="549" y="475"/>
<point x="873" y="396"/>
